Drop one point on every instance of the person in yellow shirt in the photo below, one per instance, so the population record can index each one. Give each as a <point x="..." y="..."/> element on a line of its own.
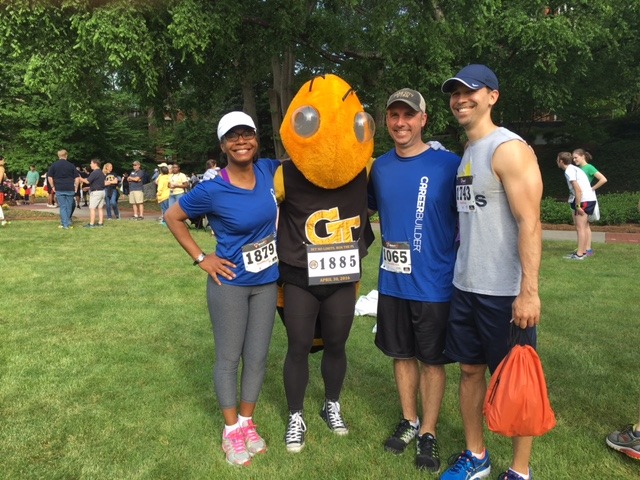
<point x="178" y="183"/>
<point x="163" y="193"/>
<point x="3" y="222"/>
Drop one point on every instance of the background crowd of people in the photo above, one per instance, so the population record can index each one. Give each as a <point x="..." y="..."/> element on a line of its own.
<point x="136" y="185"/>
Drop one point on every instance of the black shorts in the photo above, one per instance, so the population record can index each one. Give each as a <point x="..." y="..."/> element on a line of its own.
<point x="410" y="329"/>
<point x="479" y="329"/>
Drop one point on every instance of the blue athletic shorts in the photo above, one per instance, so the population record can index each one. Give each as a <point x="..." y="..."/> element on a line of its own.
<point x="410" y="329"/>
<point x="479" y="329"/>
<point x="588" y="207"/>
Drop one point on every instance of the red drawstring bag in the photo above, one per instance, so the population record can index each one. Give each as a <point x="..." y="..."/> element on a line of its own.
<point x="517" y="403"/>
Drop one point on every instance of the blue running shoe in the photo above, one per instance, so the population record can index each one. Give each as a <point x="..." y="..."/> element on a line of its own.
<point x="467" y="467"/>
<point x="511" y="475"/>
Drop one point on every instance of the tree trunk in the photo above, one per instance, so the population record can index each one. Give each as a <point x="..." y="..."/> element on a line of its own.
<point x="249" y="98"/>
<point x="280" y="95"/>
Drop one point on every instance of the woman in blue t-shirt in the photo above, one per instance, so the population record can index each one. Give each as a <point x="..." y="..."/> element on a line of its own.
<point x="240" y="205"/>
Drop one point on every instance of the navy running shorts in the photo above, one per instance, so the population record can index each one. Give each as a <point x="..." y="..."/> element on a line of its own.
<point x="588" y="207"/>
<point x="479" y="329"/>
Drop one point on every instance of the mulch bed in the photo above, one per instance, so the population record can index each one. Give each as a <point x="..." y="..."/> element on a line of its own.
<point x="626" y="228"/>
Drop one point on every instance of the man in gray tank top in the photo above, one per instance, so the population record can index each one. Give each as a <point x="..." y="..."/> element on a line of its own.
<point x="498" y="194"/>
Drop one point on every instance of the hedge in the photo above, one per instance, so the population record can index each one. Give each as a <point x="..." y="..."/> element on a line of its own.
<point x="615" y="209"/>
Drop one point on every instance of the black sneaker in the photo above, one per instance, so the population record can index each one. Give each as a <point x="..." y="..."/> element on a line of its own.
<point x="294" y="436"/>
<point x="330" y="413"/>
<point x="405" y="432"/>
<point x="427" y="455"/>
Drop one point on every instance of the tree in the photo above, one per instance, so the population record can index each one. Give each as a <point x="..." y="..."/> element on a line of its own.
<point x="181" y="64"/>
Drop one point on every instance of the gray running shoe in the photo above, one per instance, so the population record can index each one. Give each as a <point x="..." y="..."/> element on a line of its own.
<point x="626" y="441"/>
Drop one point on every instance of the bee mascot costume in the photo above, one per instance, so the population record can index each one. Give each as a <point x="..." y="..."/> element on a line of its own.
<point x="323" y="232"/>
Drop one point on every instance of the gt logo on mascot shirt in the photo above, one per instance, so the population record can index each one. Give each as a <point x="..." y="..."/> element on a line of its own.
<point x="338" y="231"/>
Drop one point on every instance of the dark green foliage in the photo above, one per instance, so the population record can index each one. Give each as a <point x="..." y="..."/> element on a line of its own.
<point x="197" y="59"/>
<point x="554" y="211"/>
<point x="615" y="209"/>
<point x="617" y="156"/>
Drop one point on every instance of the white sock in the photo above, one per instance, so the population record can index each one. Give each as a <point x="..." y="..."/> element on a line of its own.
<point x="415" y="424"/>
<point x="242" y="419"/>
<point x="230" y="428"/>
<point x="480" y="455"/>
<point x="525" y="477"/>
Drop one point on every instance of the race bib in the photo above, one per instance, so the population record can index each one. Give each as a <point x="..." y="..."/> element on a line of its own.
<point x="465" y="198"/>
<point x="335" y="263"/>
<point x="260" y="255"/>
<point x="396" y="257"/>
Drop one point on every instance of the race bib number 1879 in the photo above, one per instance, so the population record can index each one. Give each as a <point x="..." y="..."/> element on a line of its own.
<point x="260" y="255"/>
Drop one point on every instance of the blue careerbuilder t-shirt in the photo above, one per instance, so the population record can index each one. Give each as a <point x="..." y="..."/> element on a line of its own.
<point x="415" y="197"/>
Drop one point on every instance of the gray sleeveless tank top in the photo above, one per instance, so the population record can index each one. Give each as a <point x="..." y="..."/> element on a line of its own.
<point x="488" y="261"/>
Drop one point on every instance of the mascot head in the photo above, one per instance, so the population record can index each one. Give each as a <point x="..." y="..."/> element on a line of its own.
<point x="327" y="133"/>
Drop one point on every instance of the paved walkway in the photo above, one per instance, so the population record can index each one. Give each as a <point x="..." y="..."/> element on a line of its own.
<point x="568" y="235"/>
<point x="83" y="212"/>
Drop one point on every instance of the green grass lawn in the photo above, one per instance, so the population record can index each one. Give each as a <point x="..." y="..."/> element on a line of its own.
<point x="106" y="355"/>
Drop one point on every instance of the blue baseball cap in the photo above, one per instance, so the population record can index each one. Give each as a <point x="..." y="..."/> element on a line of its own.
<point x="474" y="77"/>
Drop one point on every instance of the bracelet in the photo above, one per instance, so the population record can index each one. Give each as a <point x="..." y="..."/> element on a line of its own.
<point x="199" y="259"/>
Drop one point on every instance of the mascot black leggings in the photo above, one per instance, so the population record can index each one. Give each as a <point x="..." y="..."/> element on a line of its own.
<point x="301" y="310"/>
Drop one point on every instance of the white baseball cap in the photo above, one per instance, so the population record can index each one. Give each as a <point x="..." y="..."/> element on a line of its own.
<point x="232" y="120"/>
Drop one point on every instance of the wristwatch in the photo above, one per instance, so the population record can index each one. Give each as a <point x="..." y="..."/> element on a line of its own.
<point x="199" y="259"/>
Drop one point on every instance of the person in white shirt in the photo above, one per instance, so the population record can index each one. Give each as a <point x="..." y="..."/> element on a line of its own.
<point x="582" y="199"/>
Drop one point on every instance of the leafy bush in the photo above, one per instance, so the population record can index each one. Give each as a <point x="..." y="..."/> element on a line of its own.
<point x="556" y="212"/>
<point x="615" y="209"/>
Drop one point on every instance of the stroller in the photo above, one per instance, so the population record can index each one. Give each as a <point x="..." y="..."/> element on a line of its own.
<point x="199" y="223"/>
<point x="10" y="194"/>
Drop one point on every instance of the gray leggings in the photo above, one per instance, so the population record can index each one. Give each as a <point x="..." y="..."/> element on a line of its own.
<point x="242" y="320"/>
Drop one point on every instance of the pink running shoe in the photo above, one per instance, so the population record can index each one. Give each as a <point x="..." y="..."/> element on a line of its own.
<point x="233" y="445"/>
<point x="255" y="443"/>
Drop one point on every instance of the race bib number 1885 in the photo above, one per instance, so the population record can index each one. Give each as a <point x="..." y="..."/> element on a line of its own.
<point x="335" y="263"/>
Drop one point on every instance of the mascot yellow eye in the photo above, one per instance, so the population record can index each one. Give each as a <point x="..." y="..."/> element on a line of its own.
<point x="364" y="127"/>
<point x="305" y="121"/>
